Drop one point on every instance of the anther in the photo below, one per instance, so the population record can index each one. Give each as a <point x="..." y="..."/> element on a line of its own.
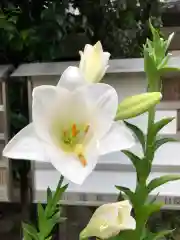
<point x="86" y="128"/>
<point x="74" y="130"/>
<point x="82" y="160"/>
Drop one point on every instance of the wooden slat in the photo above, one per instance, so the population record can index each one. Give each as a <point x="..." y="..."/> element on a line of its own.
<point x="93" y="192"/>
<point x="1" y="108"/>
<point x="2" y="137"/>
<point x="5" y="70"/>
<point x="130" y="65"/>
<point x="3" y="176"/>
<point x="164" y="160"/>
<point x="171" y="89"/>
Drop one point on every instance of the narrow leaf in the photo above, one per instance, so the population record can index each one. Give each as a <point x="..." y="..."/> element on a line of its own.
<point x="52" y="204"/>
<point x="30" y="231"/>
<point x="159" y="235"/>
<point x="160" y="124"/>
<point x="160" y="181"/>
<point x="164" y="62"/>
<point x="153" y="199"/>
<point x="41" y="218"/>
<point x="49" y="194"/>
<point x="138" y="133"/>
<point x="26" y="235"/>
<point x="149" y="209"/>
<point x="127" y="192"/>
<point x="134" y="158"/>
<point x="168" y="42"/>
<point x="150" y="67"/>
<point x="162" y="141"/>
<point x="164" y="70"/>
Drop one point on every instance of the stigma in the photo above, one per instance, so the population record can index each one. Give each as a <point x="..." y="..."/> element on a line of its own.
<point x="79" y="151"/>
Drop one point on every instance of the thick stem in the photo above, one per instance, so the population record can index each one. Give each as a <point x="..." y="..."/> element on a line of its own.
<point x="149" y="155"/>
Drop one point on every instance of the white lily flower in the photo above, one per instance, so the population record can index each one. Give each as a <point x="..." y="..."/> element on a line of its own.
<point x="73" y="124"/>
<point x="94" y="62"/>
<point x="108" y="220"/>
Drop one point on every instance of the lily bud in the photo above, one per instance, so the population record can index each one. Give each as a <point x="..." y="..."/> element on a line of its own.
<point x="108" y="220"/>
<point x="94" y="62"/>
<point x="135" y="105"/>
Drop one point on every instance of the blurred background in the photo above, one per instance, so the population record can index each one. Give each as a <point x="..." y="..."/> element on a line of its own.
<point x="47" y="31"/>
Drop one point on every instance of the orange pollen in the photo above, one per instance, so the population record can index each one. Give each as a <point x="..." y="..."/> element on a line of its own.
<point x="86" y="128"/>
<point x="82" y="160"/>
<point x="74" y="130"/>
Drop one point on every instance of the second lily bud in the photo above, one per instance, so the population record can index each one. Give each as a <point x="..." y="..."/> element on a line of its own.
<point x="136" y="105"/>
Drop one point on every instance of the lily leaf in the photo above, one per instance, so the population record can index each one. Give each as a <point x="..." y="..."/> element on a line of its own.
<point x="134" y="158"/>
<point x="30" y="232"/>
<point x="162" y="141"/>
<point x="159" y="235"/>
<point x="138" y="133"/>
<point x="127" y="192"/>
<point x="161" y="123"/>
<point x="161" y="180"/>
<point x="168" y="69"/>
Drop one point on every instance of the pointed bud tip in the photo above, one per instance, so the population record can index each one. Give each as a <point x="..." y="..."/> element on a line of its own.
<point x="83" y="234"/>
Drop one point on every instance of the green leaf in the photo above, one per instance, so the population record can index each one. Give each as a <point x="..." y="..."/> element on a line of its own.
<point x="162" y="141"/>
<point x="167" y="69"/>
<point x="42" y="222"/>
<point x="158" y="44"/>
<point x="138" y="133"/>
<point x="168" y="42"/>
<point x="26" y="235"/>
<point x="124" y="235"/>
<point x="149" y="209"/>
<point x="127" y="192"/>
<point x="153" y="199"/>
<point x="52" y="203"/>
<point x="160" y="181"/>
<point x="159" y="235"/>
<point x="150" y="68"/>
<point x="30" y="231"/>
<point x="160" y="124"/>
<point x="134" y="158"/>
<point x="164" y="62"/>
<point x="49" y="194"/>
<point x="56" y="218"/>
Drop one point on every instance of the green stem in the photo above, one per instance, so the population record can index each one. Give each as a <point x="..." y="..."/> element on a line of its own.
<point x="149" y="155"/>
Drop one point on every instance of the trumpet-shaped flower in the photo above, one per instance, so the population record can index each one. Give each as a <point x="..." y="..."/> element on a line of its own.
<point x="94" y="62"/>
<point x="72" y="125"/>
<point x="108" y="220"/>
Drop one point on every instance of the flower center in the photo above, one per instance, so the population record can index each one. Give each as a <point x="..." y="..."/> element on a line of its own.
<point x="72" y="138"/>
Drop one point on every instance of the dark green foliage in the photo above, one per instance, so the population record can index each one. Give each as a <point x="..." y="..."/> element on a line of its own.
<point x="48" y="217"/>
<point x="44" y="30"/>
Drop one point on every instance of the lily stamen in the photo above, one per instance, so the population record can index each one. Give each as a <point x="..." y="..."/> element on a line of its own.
<point x="74" y="130"/>
<point x="82" y="160"/>
<point x="86" y="128"/>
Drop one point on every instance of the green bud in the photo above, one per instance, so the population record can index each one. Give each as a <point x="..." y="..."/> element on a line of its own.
<point x="135" y="105"/>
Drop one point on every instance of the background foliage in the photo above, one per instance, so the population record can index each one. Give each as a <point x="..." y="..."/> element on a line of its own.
<point x="44" y="30"/>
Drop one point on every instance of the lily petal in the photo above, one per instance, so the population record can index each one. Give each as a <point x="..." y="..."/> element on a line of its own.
<point x="71" y="79"/>
<point x="93" y="62"/>
<point x="106" y="56"/>
<point x="70" y="166"/>
<point x="104" y="101"/>
<point x="128" y="223"/>
<point x="25" y="145"/>
<point x="119" y="137"/>
<point x="46" y="101"/>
